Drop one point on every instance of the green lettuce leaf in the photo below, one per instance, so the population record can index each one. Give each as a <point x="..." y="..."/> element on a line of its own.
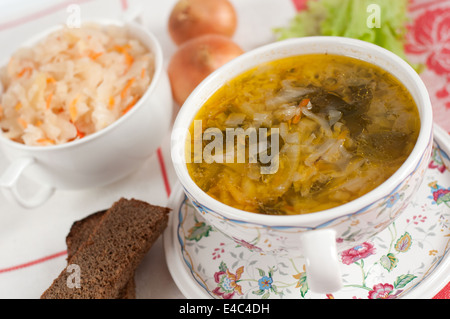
<point x="353" y="19"/>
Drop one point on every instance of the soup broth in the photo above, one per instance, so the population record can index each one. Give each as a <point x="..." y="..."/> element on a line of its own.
<point x="344" y="127"/>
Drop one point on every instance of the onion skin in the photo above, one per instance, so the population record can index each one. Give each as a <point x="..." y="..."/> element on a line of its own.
<point x="196" y="59"/>
<point x="192" y="18"/>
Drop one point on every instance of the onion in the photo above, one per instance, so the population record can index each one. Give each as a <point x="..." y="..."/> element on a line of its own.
<point x="334" y="116"/>
<point x="287" y="95"/>
<point x="196" y="59"/>
<point x="235" y="119"/>
<point x="319" y="120"/>
<point x="286" y="112"/>
<point x="192" y="18"/>
<point x="261" y="119"/>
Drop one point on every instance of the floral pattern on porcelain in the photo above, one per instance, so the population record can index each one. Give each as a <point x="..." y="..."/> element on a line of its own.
<point x="386" y="266"/>
<point x="353" y="227"/>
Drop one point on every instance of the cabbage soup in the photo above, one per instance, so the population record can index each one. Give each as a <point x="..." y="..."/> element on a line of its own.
<point x="342" y="127"/>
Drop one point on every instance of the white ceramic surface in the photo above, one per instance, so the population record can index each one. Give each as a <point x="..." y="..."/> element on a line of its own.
<point x="362" y="218"/>
<point x="103" y="157"/>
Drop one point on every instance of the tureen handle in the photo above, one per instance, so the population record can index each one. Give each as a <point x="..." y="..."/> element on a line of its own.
<point x="322" y="265"/>
<point x="134" y="14"/>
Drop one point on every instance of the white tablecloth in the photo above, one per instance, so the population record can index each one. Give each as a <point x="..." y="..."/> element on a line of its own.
<point x="32" y="242"/>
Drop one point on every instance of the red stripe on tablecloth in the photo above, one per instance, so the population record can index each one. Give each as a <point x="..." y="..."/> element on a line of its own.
<point x="164" y="172"/>
<point x="299" y="5"/>
<point x="39" y="14"/>
<point x="444" y="293"/>
<point x="63" y="253"/>
<point x="34" y="16"/>
<point x="34" y="262"/>
<point x="124" y="5"/>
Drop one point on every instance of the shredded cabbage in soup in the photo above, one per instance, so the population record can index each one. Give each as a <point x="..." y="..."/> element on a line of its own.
<point x="345" y="126"/>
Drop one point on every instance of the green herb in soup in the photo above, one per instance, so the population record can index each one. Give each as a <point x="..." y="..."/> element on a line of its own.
<point x="345" y="126"/>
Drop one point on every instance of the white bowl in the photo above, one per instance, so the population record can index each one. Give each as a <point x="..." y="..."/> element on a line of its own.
<point x="105" y="156"/>
<point x="318" y="236"/>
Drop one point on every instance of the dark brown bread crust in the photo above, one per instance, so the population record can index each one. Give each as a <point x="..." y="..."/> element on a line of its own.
<point x="113" y="251"/>
<point x="79" y="233"/>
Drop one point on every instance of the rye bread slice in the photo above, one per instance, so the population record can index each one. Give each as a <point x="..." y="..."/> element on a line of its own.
<point x="113" y="251"/>
<point x="79" y="233"/>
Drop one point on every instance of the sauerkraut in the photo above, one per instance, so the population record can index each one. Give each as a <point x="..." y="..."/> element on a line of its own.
<point x="75" y="82"/>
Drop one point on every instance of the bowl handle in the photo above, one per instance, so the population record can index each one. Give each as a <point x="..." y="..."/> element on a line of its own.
<point x="9" y="184"/>
<point x="134" y="14"/>
<point x="322" y="265"/>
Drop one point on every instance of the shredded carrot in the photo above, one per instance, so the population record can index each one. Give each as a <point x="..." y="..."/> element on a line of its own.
<point x="304" y="102"/>
<point x="143" y="72"/>
<point x="38" y="123"/>
<point x="22" y="122"/>
<point x="297" y="118"/>
<point x="130" y="106"/>
<point x="80" y="135"/>
<point x="73" y="109"/>
<point x="46" y="141"/>
<point x="342" y="135"/>
<point x="73" y="112"/>
<point x="123" y="49"/>
<point x="95" y="55"/>
<point x="50" y="80"/>
<point x="127" y="87"/>
<point x="111" y="103"/>
<point x="129" y="60"/>
<point x="49" y="100"/>
<point x="75" y="101"/>
<point x="18" y="106"/>
<point x="1" y="111"/>
<point x="290" y="207"/>
<point x="25" y="70"/>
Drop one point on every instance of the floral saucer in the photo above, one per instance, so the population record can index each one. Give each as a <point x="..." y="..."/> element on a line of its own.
<point x="409" y="259"/>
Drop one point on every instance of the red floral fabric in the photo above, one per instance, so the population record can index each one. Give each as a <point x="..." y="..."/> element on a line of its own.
<point x="429" y="44"/>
